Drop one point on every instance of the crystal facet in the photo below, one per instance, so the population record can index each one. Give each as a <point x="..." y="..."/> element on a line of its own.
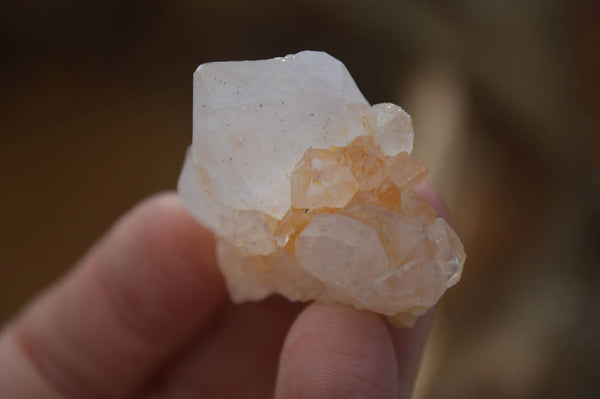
<point x="309" y="189"/>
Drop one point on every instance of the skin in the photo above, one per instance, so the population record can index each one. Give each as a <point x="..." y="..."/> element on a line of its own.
<point x="145" y="314"/>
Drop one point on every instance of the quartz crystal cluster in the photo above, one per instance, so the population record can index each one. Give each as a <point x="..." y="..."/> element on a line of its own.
<point x="309" y="189"/>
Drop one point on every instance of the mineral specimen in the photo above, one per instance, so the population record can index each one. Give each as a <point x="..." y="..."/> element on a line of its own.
<point x="309" y="189"/>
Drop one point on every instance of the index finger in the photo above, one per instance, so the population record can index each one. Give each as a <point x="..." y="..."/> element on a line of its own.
<point x="142" y="292"/>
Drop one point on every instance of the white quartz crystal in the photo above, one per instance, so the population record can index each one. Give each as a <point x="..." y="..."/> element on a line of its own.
<point x="309" y="189"/>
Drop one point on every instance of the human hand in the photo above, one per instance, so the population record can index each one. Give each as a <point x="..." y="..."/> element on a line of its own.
<point x="145" y="314"/>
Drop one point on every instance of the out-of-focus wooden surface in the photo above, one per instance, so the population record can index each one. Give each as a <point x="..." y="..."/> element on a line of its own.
<point x="95" y="112"/>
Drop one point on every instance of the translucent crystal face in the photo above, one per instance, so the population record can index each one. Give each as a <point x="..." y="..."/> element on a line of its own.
<point x="254" y="120"/>
<point x="309" y="189"/>
<point x="320" y="181"/>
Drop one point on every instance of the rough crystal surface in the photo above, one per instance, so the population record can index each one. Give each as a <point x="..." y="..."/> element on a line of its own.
<point x="309" y="189"/>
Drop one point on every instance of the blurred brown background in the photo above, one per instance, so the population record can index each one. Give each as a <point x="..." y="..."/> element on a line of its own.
<point x="95" y="112"/>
